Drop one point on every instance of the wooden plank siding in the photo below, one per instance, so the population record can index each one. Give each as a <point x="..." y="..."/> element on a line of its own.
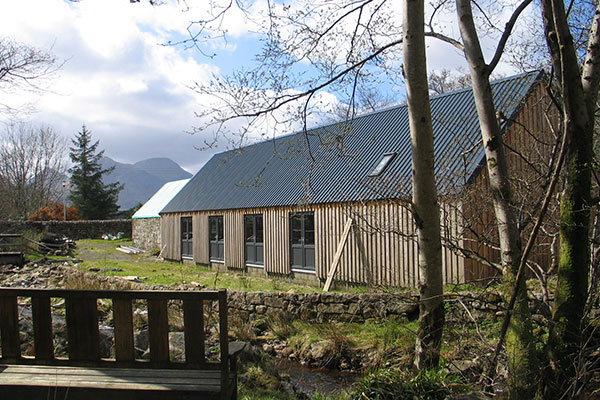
<point x="386" y="229"/>
<point x="170" y="236"/>
<point x="529" y="142"/>
<point x="388" y="233"/>
<point x="233" y="233"/>
<point x="200" y="232"/>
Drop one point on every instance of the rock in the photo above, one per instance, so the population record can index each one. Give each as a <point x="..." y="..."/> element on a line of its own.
<point x="354" y="309"/>
<point x="177" y="346"/>
<point x="274" y="301"/>
<point x="462" y="366"/>
<point x="336" y="308"/>
<point x="318" y="351"/>
<point x="141" y="341"/>
<point x="106" y="344"/>
<point x="267" y="348"/>
<point x="493" y="298"/>
<point x="261" y="309"/>
<point x="402" y="308"/>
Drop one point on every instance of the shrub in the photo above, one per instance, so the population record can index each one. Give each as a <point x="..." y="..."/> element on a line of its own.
<point x="281" y="325"/>
<point x="54" y="212"/>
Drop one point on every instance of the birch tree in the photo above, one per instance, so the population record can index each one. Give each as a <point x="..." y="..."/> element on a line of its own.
<point x="33" y="166"/>
<point x="519" y="341"/>
<point x="579" y="84"/>
<point x="426" y="210"/>
<point x="23" y="68"/>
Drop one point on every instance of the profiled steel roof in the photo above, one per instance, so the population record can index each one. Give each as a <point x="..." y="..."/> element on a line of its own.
<point x="161" y="198"/>
<point x="332" y="163"/>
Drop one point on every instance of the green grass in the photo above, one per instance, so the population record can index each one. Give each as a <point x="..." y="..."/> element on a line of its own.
<point x="392" y="384"/>
<point x="102" y="257"/>
<point x="253" y="393"/>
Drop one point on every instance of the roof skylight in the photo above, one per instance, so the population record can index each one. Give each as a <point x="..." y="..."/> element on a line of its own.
<point x="383" y="163"/>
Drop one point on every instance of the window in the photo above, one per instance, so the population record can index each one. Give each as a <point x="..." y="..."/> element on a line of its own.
<point x="217" y="243"/>
<point x="302" y="238"/>
<point x="253" y="231"/>
<point x="383" y="163"/>
<point x="187" y="244"/>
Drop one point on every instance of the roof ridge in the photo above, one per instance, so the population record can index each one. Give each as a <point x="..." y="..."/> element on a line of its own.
<point x="375" y="112"/>
<point x="337" y="170"/>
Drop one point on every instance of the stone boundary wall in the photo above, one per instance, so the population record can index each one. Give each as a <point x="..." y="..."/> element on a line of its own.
<point x="309" y="307"/>
<point x="345" y="307"/>
<point x="72" y="229"/>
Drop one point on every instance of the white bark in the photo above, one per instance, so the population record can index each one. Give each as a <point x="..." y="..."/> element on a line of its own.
<point x="425" y="204"/>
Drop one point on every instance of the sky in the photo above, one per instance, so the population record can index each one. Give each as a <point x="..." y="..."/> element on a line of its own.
<point x="120" y="79"/>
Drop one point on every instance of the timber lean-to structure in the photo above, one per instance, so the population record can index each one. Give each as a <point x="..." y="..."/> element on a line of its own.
<point x="271" y="208"/>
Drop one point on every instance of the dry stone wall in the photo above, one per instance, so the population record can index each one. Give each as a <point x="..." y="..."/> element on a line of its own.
<point x="72" y="229"/>
<point x="251" y="306"/>
<point x="346" y="307"/>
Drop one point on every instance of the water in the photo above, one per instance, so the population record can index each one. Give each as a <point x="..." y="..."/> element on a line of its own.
<point x="322" y="381"/>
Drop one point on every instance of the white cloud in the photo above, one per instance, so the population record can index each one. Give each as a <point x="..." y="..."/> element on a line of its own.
<point x="118" y="77"/>
<point x="130" y="89"/>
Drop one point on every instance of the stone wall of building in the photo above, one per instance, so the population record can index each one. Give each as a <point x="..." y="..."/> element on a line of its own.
<point x="146" y="233"/>
<point x="72" y="229"/>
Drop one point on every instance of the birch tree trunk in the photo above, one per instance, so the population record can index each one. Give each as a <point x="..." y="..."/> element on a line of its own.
<point x="579" y="85"/>
<point x="425" y="204"/>
<point x="519" y="338"/>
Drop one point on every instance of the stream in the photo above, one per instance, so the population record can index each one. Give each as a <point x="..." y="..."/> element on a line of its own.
<point x="310" y="381"/>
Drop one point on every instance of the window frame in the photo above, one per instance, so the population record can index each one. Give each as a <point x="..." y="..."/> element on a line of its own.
<point x="216" y="245"/>
<point x="187" y="236"/>
<point x="382" y="164"/>
<point x="302" y="244"/>
<point x="256" y="245"/>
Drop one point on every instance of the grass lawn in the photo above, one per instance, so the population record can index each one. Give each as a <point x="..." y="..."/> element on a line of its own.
<point x="102" y="256"/>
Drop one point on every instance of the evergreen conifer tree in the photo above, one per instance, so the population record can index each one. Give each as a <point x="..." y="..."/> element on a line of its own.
<point x="93" y="199"/>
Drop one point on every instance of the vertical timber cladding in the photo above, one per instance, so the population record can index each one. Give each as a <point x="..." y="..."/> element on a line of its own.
<point x="275" y="239"/>
<point x="387" y="231"/>
<point x="452" y="231"/>
<point x="528" y="140"/>
<point x="170" y="235"/>
<point x="276" y="225"/>
<point x="233" y="235"/>
<point x="275" y="230"/>
<point x="201" y="244"/>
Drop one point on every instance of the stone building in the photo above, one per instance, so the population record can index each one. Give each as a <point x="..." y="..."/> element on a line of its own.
<point x="146" y="221"/>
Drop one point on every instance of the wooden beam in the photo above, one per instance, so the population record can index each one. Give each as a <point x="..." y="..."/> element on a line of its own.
<point x="338" y="255"/>
<point x="158" y="322"/>
<point x="82" y="329"/>
<point x="123" y="322"/>
<point x="193" y="317"/>
<point x="42" y="328"/>
<point x="9" y="328"/>
<point x="363" y="255"/>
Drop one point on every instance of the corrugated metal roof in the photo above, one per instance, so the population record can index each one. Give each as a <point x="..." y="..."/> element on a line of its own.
<point x="332" y="163"/>
<point x="161" y="198"/>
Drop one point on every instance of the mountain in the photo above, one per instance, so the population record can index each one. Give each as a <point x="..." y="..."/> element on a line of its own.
<point x="163" y="168"/>
<point x="142" y="179"/>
